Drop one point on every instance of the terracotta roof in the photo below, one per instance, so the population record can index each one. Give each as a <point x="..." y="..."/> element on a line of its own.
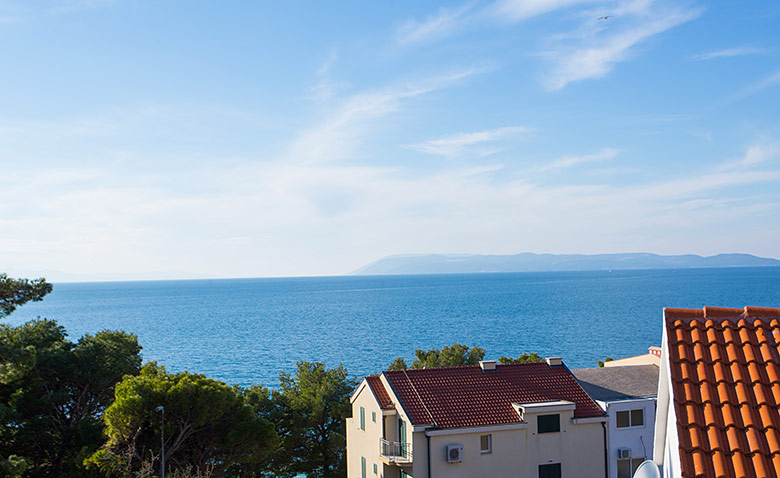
<point x="454" y="397"/>
<point x="725" y="374"/>
<point x="380" y="393"/>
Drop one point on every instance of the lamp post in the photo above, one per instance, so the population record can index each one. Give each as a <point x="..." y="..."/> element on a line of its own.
<point x="161" y="409"/>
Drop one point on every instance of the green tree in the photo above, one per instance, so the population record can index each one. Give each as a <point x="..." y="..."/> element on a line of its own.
<point x="53" y="393"/>
<point x="312" y="406"/>
<point x="601" y="364"/>
<point x="455" y="355"/>
<point x="17" y="292"/>
<point x="523" y="358"/>
<point x="398" y="364"/>
<point x="208" y="426"/>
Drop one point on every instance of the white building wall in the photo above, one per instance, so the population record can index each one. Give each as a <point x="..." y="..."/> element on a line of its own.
<point x="639" y="439"/>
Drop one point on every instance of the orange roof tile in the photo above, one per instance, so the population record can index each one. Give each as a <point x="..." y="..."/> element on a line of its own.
<point x="380" y="393"/>
<point x="454" y="397"/>
<point x="725" y="373"/>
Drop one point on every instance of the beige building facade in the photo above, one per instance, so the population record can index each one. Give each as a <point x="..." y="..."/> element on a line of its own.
<point x="403" y="425"/>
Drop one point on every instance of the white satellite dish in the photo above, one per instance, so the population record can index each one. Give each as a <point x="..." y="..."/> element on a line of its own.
<point x="647" y="469"/>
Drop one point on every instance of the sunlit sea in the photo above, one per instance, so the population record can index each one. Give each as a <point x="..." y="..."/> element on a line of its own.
<point x="247" y="331"/>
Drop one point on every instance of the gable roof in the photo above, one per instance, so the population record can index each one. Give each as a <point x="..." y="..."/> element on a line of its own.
<point x="380" y="393"/>
<point x="618" y="383"/>
<point x="725" y="377"/>
<point x="454" y="397"/>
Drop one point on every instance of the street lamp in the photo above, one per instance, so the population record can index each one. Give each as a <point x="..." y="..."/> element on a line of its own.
<point x="161" y="409"/>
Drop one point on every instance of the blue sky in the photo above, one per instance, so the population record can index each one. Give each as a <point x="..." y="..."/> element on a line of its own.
<point x="150" y="140"/>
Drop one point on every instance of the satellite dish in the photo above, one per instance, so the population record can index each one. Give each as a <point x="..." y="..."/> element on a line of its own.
<point x="647" y="469"/>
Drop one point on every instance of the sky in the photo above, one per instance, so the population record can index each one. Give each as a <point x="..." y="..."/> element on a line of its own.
<point x="193" y="139"/>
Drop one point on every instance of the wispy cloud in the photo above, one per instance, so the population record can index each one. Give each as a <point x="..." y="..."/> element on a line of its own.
<point x="327" y="64"/>
<point x="729" y="52"/>
<point x="607" y="47"/>
<point x="333" y="138"/>
<point x="569" y="161"/>
<point x="67" y="6"/>
<point x="457" y="144"/>
<point x="436" y="26"/>
<point x="754" y="155"/>
<point x="768" y="81"/>
<point x="589" y="51"/>
<point x="517" y="10"/>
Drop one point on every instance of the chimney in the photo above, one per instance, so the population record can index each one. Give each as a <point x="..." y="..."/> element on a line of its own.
<point x="487" y="365"/>
<point x="554" y="361"/>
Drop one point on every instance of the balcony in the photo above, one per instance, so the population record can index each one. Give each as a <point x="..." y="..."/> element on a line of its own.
<point x="395" y="453"/>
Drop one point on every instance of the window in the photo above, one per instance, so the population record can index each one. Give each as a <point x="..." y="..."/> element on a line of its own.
<point x="362" y="418"/>
<point x="627" y="467"/>
<point x="548" y="423"/>
<point x="637" y="418"/>
<point x="630" y="418"/>
<point x="553" y="470"/>
<point x="375" y="468"/>
<point x="486" y="444"/>
<point x="373" y="417"/>
<point x="362" y="467"/>
<point x="404" y="474"/>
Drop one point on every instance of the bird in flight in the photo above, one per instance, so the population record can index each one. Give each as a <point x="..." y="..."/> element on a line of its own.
<point x="605" y="18"/>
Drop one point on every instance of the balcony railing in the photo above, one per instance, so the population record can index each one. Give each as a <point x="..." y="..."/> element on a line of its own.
<point x="395" y="452"/>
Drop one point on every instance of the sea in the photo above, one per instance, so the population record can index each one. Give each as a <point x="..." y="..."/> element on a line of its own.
<point x="247" y="331"/>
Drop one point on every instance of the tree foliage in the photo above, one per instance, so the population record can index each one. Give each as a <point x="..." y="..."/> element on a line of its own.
<point x="523" y="358"/>
<point x="601" y="363"/>
<point x="456" y="355"/>
<point x="53" y="393"/>
<point x="208" y="426"/>
<point x="311" y="408"/>
<point x="17" y="292"/>
<point x="398" y="364"/>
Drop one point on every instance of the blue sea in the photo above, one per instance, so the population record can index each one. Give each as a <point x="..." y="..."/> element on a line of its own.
<point x="246" y="331"/>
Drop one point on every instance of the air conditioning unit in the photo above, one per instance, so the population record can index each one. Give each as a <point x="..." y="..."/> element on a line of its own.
<point x="624" y="453"/>
<point x="454" y="453"/>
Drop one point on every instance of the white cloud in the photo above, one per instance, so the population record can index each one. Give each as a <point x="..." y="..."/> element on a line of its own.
<point x="457" y="144"/>
<point x="517" y="10"/>
<point x="609" y="46"/>
<point x="68" y="6"/>
<point x="768" y="81"/>
<point x="436" y="26"/>
<point x="327" y="64"/>
<point x="569" y="161"/>
<point x="755" y="154"/>
<point x="333" y="139"/>
<point x="729" y="52"/>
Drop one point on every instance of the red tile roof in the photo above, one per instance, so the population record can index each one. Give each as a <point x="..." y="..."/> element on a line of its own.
<point x="380" y="393"/>
<point x="468" y="396"/>
<point x="725" y="373"/>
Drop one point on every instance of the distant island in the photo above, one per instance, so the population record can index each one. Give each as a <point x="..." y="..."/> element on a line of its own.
<point x="530" y="262"/>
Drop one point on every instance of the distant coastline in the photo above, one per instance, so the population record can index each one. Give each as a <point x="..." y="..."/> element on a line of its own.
<point x="531" y="262"/>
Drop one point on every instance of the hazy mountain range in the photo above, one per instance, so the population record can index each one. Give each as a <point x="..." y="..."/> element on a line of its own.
<point x="530" y="262"/>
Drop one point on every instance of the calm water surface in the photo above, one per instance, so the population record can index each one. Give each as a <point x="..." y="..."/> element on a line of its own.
<point x="246" y="331"/>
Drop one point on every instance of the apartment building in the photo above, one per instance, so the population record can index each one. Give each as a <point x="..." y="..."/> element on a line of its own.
<point x="492" y="420"/>
<point x="627" y="394"/>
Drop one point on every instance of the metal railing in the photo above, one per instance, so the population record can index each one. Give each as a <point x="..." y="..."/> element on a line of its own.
<point x="398" y="452"/>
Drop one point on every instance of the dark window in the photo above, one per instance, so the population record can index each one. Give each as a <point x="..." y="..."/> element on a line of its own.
<point x="549" y="423"/>
<point x="637" y="418"/>
<point x="630" y="418"/>
<point x="627" y="467"/>
<point x="486" y="444"/>
<point x="552" y="470"/>
<point x="623" y="420"/>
